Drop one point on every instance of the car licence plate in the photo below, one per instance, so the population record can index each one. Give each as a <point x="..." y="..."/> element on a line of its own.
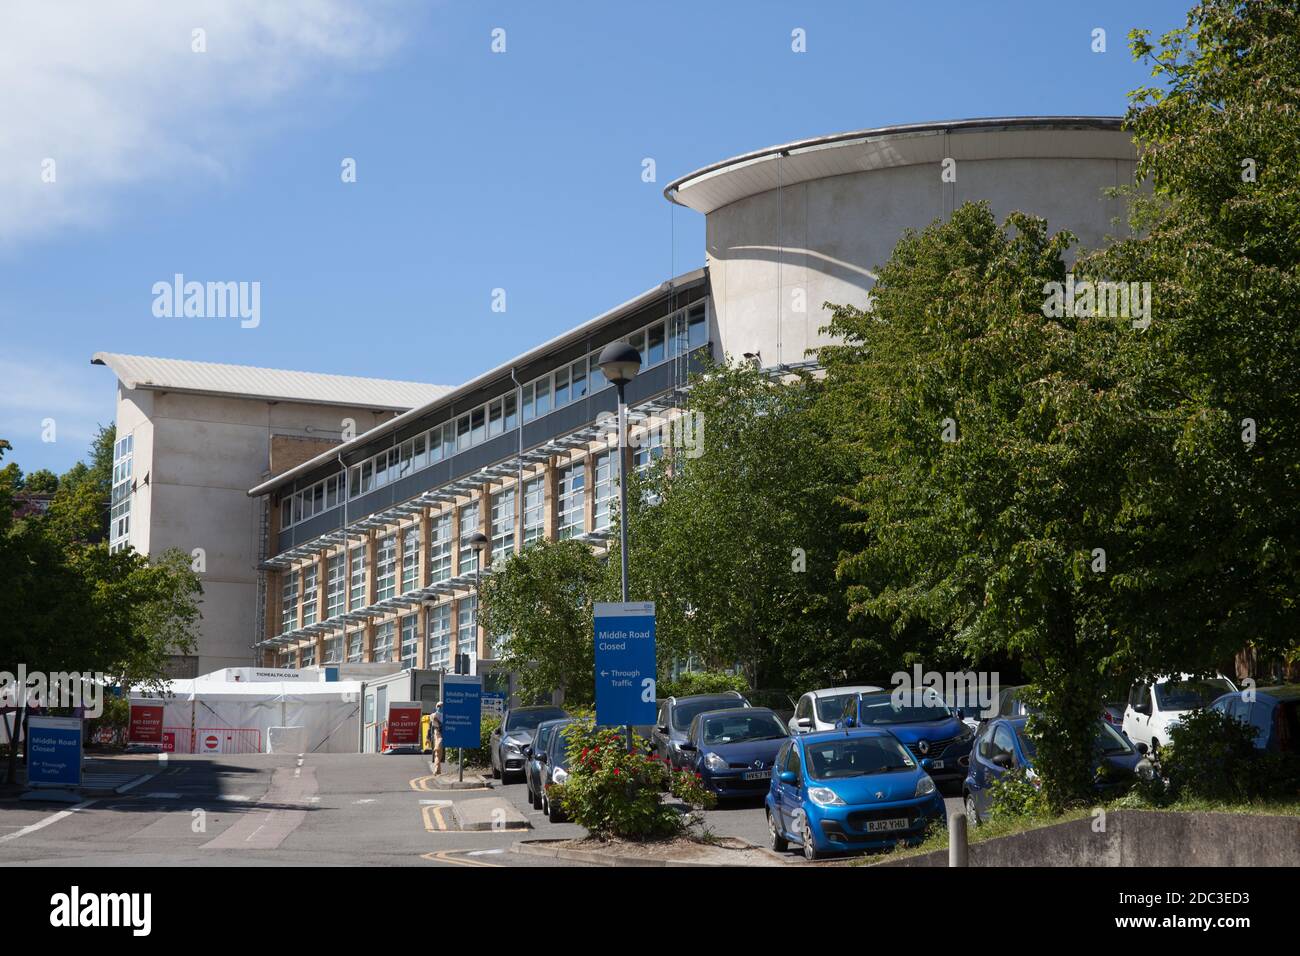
<point x="877" y="826"/>
<point x="936" y="764"/>
<point x="758" y="775"/>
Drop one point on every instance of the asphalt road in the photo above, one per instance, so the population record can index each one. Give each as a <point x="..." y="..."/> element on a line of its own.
<point x="281" y="809"/>
<point x="263" y="810"/>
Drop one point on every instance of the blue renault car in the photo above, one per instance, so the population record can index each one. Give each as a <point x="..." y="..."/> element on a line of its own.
<point x="841" y="790"/>
<point x="923" y="723"/>
<point x="733" y="750"/>
<point x="1002" y="746"/>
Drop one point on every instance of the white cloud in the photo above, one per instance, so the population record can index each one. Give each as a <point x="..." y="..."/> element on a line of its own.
<point x="113" y="92"/>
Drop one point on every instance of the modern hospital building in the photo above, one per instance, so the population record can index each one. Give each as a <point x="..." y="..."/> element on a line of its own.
<point x="321" y="548"/>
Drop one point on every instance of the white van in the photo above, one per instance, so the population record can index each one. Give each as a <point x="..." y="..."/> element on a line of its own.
<point x="1154" y="708"/>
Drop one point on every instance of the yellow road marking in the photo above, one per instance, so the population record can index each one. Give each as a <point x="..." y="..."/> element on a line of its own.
<point x="441" y="856"/>
<point x="432" y="814"/>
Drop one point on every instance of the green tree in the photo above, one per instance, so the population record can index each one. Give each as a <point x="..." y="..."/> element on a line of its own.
<point x="1219" y="238"/>
<point x="541" y="601"/>
<point x="737" y="541"/>
<point x="70" y="605"/>
<point x="41" y="482"/>
<point x="987" y="436"/>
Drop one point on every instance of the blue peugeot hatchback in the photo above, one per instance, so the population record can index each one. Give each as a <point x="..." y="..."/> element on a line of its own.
<point x="923" y="723"/>
<point x="841" y="790"/>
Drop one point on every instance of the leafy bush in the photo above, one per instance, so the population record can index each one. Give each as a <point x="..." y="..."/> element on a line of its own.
<point x="1016" y="794"/>
<point x="614" y="792"/>
<point x="703" y="682"/>
<point x="1212" y="756"/>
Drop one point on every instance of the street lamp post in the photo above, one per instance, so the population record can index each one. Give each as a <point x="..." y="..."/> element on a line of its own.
<point x="620" y="362"/>
<point x="479" y="542"/>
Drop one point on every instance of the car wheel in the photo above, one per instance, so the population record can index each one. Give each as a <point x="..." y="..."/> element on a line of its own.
<point x="553" y="813"/>
<point x="809" y="844"/>
<point x="536" y="798"/>
<point x="496" y="774"/>
<point x="778" y="842"/>
<point x="972" y="813"/>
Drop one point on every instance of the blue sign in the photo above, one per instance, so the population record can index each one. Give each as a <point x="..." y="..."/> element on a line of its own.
<point x="625" y="663"/>
<point x="54" y="751"/>
<point x="461" y="710"/>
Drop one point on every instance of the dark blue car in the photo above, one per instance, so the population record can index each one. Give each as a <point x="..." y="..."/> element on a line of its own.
<point x="927" y="727"/>
<point x="1002" y="746"/>
<point x="733" y="750"/>
<point x="841" y="790"/>
<point x="1274" y="715"/>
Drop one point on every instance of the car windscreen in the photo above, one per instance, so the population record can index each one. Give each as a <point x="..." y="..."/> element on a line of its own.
<point x="688" y="710"/>
<point x="882" y="710"/>
<point x="829" y="709"/>
<point x="529" y="719"/>
<point x="737" y="728"/>
<point x="1109" y="742"/>
<point x="1190" y="694"/>
<point x="856" y="757"/>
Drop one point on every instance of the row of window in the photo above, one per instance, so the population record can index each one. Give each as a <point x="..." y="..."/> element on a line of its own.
<point x="401" y="638"/>
<point x="659" y="342"/>
<point x="342" y="592"/>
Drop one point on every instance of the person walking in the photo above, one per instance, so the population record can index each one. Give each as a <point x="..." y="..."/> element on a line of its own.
<point x="435" y="729"/>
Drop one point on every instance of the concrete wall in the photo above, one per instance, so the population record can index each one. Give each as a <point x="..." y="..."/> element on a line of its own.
<point x="1141" y="838"/>
<point x="822" y="239"/>
<point x="202" y="453"/>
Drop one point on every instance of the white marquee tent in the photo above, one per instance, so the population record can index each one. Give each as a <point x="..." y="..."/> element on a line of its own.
<point x="211" y="714"/>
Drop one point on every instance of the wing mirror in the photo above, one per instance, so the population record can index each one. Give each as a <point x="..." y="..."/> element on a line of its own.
<point x="688" y="746"/>
<point x="1003" y="760"/>
<point x="787" y="776"/>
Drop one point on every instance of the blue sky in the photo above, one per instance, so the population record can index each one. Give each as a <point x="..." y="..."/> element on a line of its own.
<point x="475" y="170"/>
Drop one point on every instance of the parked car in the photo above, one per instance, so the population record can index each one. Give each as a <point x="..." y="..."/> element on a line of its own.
<point x="506" y="744"/>
<point x="1274" y="715"/>
<point x="820" y="709"/>
<point x="1112" y="711"/>
<point x="1003" y="746"/>
<point x="1155" y="707"/>
<point x="733" y="750"/>
<point x="534" y="758"/>
<point x="846" y="790"/>
<point x="554" y="769"/>
<point x="924" y="724"/>
<point x="1011" y="702"/>
<point x="674" y="721"/>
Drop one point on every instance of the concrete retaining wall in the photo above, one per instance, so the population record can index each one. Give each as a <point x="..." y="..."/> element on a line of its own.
<point x="1141" y="838"/>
